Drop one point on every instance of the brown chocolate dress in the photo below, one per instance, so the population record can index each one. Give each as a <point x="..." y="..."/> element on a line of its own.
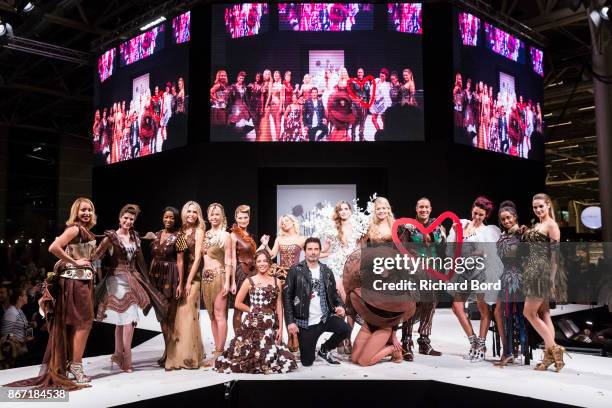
<point x="245" y="253"/>
<point x="164" y="272"/>
<point x="213" y="277"/>
<point x="127" y="287"/>
<point x="67" y="301"/>
<point x="185" y="348"/>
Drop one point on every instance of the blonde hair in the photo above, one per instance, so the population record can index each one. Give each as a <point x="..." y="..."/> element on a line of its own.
<point x="73" y="218"/>
<point x="218" y="75"/>
<point x="296" y="224"/>
<point x="200" y="222"/>
<point x="390" y="217"/>
<point x="242" y="208"/>
<point x="211" y="207"/>
<point x="130" y="208"/>
<point x="338" y="220"/>
<point x="547" y="200"/>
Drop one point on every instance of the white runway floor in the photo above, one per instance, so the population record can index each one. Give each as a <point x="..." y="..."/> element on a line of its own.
<point x="585" y="381"/>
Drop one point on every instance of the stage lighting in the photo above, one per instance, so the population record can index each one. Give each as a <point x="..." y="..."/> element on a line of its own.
<point x="28" y="7"/>
<point x="153" y="23"/>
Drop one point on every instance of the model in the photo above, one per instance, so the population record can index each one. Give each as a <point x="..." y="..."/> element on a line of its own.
<point x="542" y="280"/>
<point x="126" y="287"/>
<point x="257" y="347"/>
<point x="218" y="271"/>
<point x="478" y="241"/>
<point x="185" y="348"/>
<point x="166" y="272"/>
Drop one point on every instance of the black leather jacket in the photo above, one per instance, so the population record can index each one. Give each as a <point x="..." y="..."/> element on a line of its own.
<point x="296" y="292"/>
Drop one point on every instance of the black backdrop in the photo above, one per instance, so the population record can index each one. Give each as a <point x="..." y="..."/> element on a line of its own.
<point x="233" y="173"/>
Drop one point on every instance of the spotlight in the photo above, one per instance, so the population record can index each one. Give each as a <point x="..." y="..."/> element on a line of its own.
<point x="42" y="240"/>
<point x="16" y="241"/>
<point x="1" y="241"/>
<point x="605" y="13"/>
<point x="28" y="7"/>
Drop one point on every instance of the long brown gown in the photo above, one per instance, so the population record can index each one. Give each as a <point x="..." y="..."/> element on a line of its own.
<point x="185" y="348"/>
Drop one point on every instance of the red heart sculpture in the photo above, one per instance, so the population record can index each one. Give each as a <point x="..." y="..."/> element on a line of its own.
<point x="361" y="84"/>
<point x="425" y="231"/>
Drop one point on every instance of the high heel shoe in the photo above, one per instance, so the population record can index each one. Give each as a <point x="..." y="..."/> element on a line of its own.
<point x="117" y="358"/>
<point x="480" y="351"/>
<point x="557" y="354"/>
<point x="127" y="363"/>
<point x="473" y="344"/>
<point x="76" y="369"/>
<point x="504" y="361"/>
<point x="547" y="360"/>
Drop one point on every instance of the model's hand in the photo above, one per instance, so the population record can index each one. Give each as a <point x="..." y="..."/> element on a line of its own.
<point x="397" y="346"/>
<point x="293" y="329"/>
<point x="279" y="336"/>
<point x="233" y="288"/>
<point x="225" y="289"/>
<point x="149" y="235"/>
<point x="179" y="291"/>
<point x="265" y="239"/>
<point x="187" y="289"/>
<point x="340" y="311"/>
<point x="84" y="263"/>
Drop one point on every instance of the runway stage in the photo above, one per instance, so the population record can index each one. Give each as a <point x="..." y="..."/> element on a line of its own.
<point x="447" y="381"/>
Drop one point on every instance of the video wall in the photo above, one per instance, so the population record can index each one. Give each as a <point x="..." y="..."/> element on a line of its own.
<point x="329" y="72"/>
<point x="141" y="95"/>
<point x="497" y="92"/>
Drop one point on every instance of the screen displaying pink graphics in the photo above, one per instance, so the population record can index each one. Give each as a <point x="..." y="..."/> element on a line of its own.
<point x="181" y="28"/>
<point x="142" y="46"/>
<point x="246" y="19"/>
<point x="469" y="27"/>
<point x="325" y="16"/>
<point x="406" y="17"/>
<point x="504" y="44"/>
<point x="537" y="60"/>
<point x="106" y="64"/>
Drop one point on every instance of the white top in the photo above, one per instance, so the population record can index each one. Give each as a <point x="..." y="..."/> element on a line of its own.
<point x="314" y="312"/>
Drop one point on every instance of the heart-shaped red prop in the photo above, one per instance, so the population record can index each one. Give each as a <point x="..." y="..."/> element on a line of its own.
<point x="361" y="84"/>
<point x="403" y="221"/>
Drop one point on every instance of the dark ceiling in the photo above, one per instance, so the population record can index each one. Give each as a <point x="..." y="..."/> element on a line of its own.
<point x="54" y="96"/>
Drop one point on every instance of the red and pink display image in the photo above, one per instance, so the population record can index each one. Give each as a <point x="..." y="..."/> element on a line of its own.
<point x="243" y="20"/>
<point x="181" y="28"/>
<point x="406" y="17"/>
<point x="106" y="64"/>
<point x="537" y="60"/>
<point x="469" y="27"/>
<point x="325" y="16"/>
<point x="141" y="46"/>
<point x="504" y="44"/>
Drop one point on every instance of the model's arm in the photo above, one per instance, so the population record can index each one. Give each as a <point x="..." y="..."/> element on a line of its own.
<point x="199" y="238"/>
<point x="61" y="242"/>
<point x="179" y="264"/>
<point x="279" y="311"/>
<point x="100" y="251"/>
<point x="244" y="289"/>
<point x="234" y="263"/>
<point x="229" y="265"/>
<point x="213" y="90"/>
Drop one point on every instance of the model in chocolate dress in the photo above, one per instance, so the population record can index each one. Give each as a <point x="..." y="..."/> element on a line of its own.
<point x="244" y="250"/>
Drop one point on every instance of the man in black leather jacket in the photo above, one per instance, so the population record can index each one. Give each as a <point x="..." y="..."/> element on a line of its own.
<point x="312" y="305"/>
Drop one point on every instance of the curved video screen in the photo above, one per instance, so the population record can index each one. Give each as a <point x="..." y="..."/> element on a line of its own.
<point x="141" y="109"/>
<point x="497" y="94"/>
<point x="327" y="73"/>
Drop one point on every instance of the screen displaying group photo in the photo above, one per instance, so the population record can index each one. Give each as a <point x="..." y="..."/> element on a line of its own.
<point x="497" y="90"/>
<point x="325" y="72"/>
<point x="141" y="94"/>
